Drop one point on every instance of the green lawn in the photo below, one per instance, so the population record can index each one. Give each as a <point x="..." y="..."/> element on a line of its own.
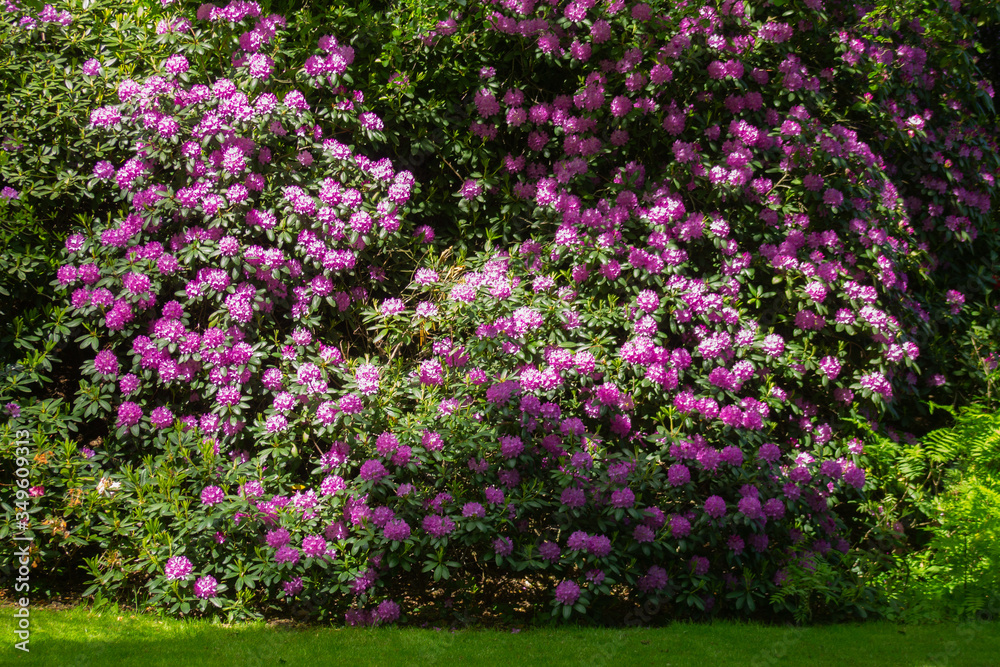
<point x="80" y="637"/>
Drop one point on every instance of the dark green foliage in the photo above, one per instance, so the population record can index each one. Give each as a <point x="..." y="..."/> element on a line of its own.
<point x="48" y="149"/>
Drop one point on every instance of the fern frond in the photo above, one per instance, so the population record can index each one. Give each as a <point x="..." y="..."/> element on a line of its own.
<point x="943" y="445"/>
<point x="932" y="406"/>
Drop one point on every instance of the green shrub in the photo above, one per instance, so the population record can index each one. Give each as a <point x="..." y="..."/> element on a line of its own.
<point x="663" y="292"/>
<point x="31" y="320"/>
<point x="48" y="149"/>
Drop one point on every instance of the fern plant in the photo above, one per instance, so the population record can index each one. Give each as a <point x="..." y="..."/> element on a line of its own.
<point x="946" y="490"/>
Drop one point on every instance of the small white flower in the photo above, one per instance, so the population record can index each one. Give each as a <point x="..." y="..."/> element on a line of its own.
<point x="107" y="487"/>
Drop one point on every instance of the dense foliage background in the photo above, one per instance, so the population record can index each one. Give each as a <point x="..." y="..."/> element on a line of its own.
<point x="535" y="307"/>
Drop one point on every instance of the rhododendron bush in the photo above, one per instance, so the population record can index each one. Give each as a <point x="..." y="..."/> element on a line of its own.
<point x="616" y="340"/>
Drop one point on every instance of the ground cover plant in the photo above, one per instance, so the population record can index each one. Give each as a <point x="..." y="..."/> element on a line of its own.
<point x="597" y="301"/>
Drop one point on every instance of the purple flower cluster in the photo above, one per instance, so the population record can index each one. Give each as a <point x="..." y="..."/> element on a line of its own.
<point x="178" y="568"/>
<point x="567" y="593"/>
<point x="212" y="495"/>
<point x="206" y="587"/>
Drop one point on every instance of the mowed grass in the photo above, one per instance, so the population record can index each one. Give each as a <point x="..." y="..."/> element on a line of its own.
<point x="82" y="637"/>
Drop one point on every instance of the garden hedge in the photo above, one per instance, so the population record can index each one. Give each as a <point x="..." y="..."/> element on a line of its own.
<point x="591" y="300"/>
